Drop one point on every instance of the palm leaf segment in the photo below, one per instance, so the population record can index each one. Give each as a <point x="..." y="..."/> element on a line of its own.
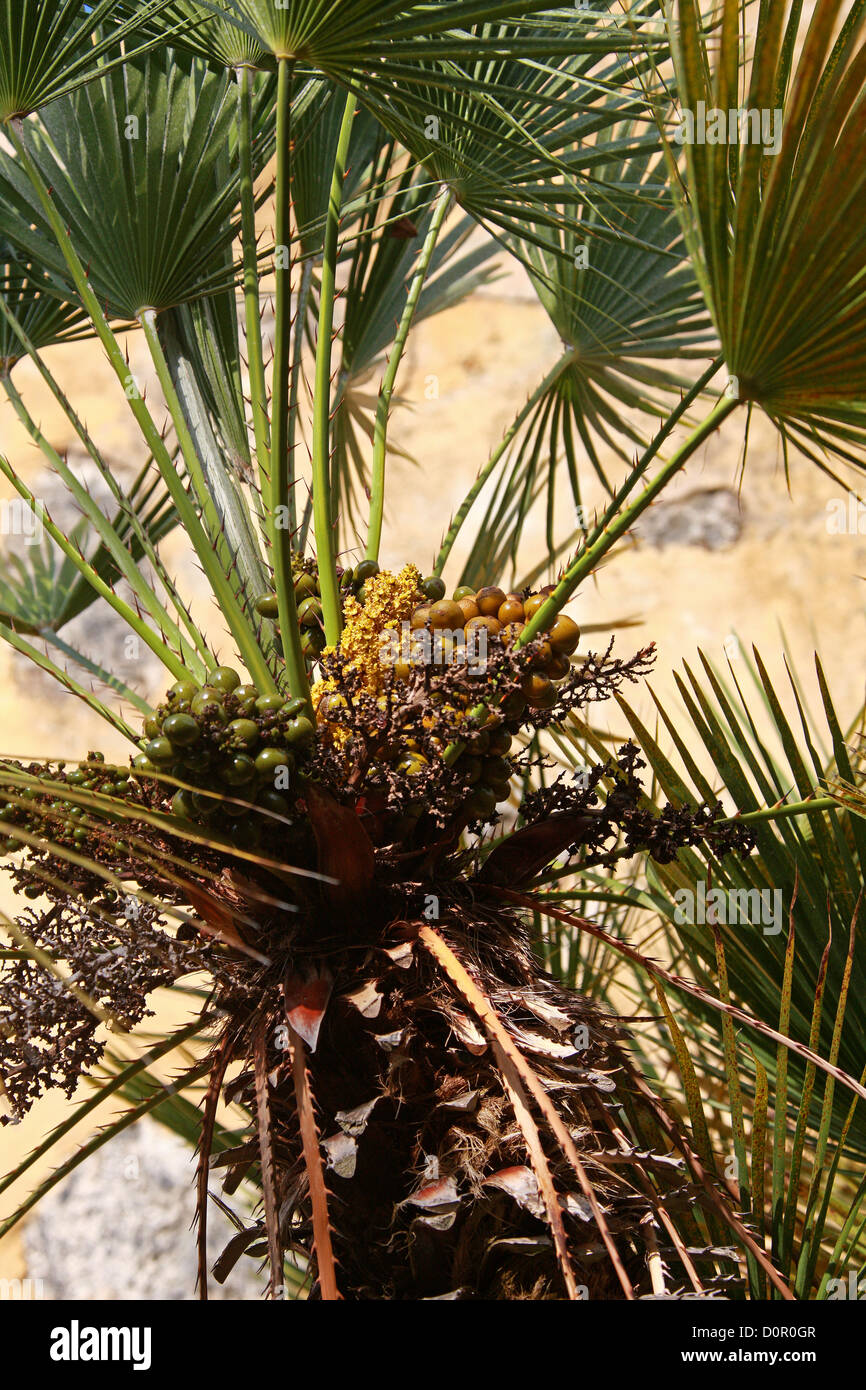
<point x="812" y="869"/>
<point x="623" y="310"/>
<point x="36" y="306"/>
<point x="152" y="214"/>
<point x="776" y="237"/>
<point x="50" y="47"/>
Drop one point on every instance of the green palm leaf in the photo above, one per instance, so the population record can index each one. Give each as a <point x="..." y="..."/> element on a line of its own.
<point x="48" y="48"/>
<point x="137" y="167"/>
<point x="36" y="305"/>
<point x="774" y="230"/>
<point x="812" y="864"/>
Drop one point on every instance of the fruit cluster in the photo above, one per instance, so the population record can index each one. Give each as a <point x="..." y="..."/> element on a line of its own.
<point x="484" y="759"/>
<point x="502" y="615"/>
<point x="452" y="655"/>
<point x="226" y="738"/>
<point x="308" y="600"/>
<point x="49" y="815"/>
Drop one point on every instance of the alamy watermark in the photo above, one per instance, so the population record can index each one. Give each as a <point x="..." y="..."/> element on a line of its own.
<point x="730" y="907"/>
<point x="739" y="125"/>
<point x="77" y="1343"/>
<point x="19" y="518"/>
<point x="846" y="516"/>
<point x="441" y="647"/>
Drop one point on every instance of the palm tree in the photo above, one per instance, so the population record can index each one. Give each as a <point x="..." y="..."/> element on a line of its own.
<point x="415" y="936"/>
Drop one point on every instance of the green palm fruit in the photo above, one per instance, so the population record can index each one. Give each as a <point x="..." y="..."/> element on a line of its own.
<point x="247" y="833"/>
<point x="181" y="805"/>
<point x="181" y="729"/>
<point x="309" y="612"/>
<point x="159" y="750"/>
<point x="270" y="760"/>
<point x="500" y="742"/>
<point x="208" y="704"/>
<point x="481" y="804"/>
<point x="223" y="678"/>
<point x="299" y="730"/>
<point x="246" y="696"/>
<point x="267" y="606"/>
<point x="365" y="570"/>
<point x="196" y="760"/>
<point x="433" y="588"/>
<point x="305" y="586"/>
<point x="237" y="770"/>
<point x="269" y="704"/>
<point x="182" y="692"/>
<point x="495" y="769"/>
<point x="243" y="733"/>
<point x="270" y="800"/>
<point x="413" y="764"/>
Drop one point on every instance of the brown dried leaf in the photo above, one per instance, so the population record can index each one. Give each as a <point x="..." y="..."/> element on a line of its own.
<point x="367" y="1000"/>
<point x="346" y="854"/>
<point x="306" y="1000"/>
<point x="341" y="1154"/>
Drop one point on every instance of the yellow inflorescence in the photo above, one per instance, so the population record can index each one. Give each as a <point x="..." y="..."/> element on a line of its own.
<point x="389" y="600"/>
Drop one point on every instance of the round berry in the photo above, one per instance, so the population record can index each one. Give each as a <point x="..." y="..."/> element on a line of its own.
<point x="182" y="805"/>
<point x="305" y="585"/>
<point x="532" y="604"/>
<point x="238" y="770"/>
<point x="511" y="611"/>
<point x="223" y="678"/>
<point x="267" y="606"/>
<point x="208" y="704"/>
<point x="299" y="730"/>
<point x="269" y="704"/>
<point x="182" y="729"/>
<point x="538" y="690"/>
<point x="489" y="601"/>
<point x="564" y="635"/>
<point x="159" y="750"/>
<point x="245" y="698"/>
<point x="433" y="588"/>
<point x="420" y="616"/>
<point x="270" y="800"/>
<point x="500" y="742"/>
<point x="182" y="691"/>
<point x="243" y="733"/>
<point x="558" y="666"/>
<point x="270" y="760"/>
<point x="365" y="570"/>
<point x="493" y="626"/>
<point x="445" y="613"/>
<point x="481" y="804"/>
<point x="309" y="612"/>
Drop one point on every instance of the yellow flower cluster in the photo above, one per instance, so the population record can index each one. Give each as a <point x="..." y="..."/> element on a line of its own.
<point x="389" y="600"/>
